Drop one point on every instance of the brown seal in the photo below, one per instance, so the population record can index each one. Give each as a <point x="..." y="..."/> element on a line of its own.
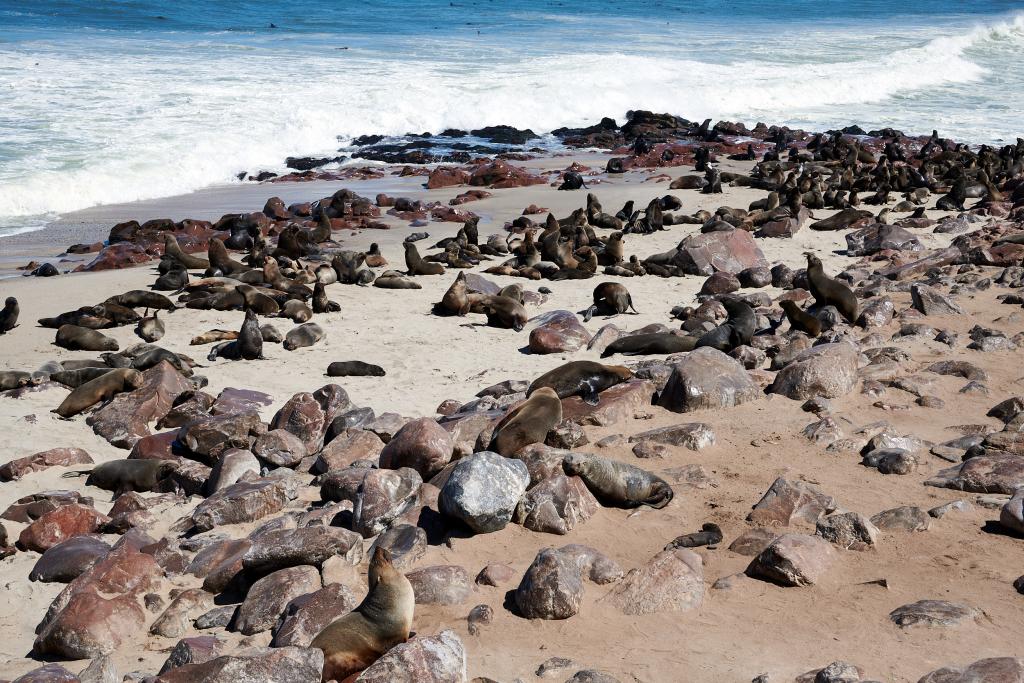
<point x="829" y="291"/>
<point x="374" y="259"/>
<point x="618" y="484"/>
<point x="248" y="345"/>
<point x="297" y="310"/>
<point x="173" y="250"/>
<point x="799" y="319"/>
<point x="456" y="300"/>
<point x="391" y="279"/>
<point x="610" y="298"/>
<point x="103" y="388"/>
<point x="257" y="301"/>
<point x="211" y="336"/>
<point x="121" y="476"/>
<point x="73" y="379"/>
<point x="416" y="265"/>
<point x="527" y="423"/>
<point x="75" y="338"/>
<point x="9" y="315"/>
<point x="321" y="304"/>
<point x="504" y="312"/>
<point x="219" y="259"/>
<point x="140" y="298"/>
<point x="306" y="334"/>
<point x="650" y="344"/>
<point x="583" y="378"/>
<point x="382" y="620"/>
<point x="354" y="368"/>
<point x="15" y="379"/>
<point x="151" y="329"/>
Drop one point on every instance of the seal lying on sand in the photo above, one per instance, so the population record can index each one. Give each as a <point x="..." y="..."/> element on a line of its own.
<point x="610" y="298"/>
<point x="102" y="388"/>
<point x="121" y="476"/>
<point x="618" y="484"/>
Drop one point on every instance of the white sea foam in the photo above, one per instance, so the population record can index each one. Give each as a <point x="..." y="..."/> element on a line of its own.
<point x="91" y="126"/>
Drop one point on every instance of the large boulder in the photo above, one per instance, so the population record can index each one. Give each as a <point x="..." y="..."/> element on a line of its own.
<point x="266" y="665"/>
<point x="313" y="545"/>
<point x="67" y="560"/>
<point x="483" y="490"/>
<point x="995" y="670"/>
<point x="59" y="525"/>
<point x="793" y="560"/>
<point x="990" y="473"/>
<point x="672" y="581"/>
<point x="447" y="584"/>
<point x="383" y="496"/>
<point x="881" y="236"/>
<point x="421" y="659"/>
<point x="828" y="371"/>
<point x="307" y="615"/>
<point x="787" y="501"/>
<point x="55" y="457"/>
<point x="126" y="418"/>
<point x="556" y="505"/>
<point x="245" y="501"/>
<point x="268" y="597"/>
<point x="421" y="444"/>
<point x="552" y="587"/>
<point x="707" y="379"/>
<point x="558" y="332"/>
<point x="731" y="251"/>
<point x="304" y="417"/>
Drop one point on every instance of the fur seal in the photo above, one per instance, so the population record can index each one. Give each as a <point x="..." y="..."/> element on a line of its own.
<point x="73" y="379"/>
<point x="211" y="336"/>
<point x="456" y="299"/>
<point x="618" y="484"/>
<point x="173" y="250"/>
<point x="9" y="315"/>
<point x="799" y="319"/>
<point x="219" y="259"/>
<point x="374" y="259"/>
<point x="121" y="476"/>
<point x="583" y="378"/>
<point x="75" y="338"/>
<point x="248" y="345"/>
<point x="527" y="423"/>
<point x="504" y="312"/>
<point x="271" y="334"/>
<point x="391" y="279"/>
<point x="306" y="334"/>
<point x="15" y="379"/>
<point x="150" y="329"/>
<point x="650" y="344"/>
<point x="382" y="620"/>
<point x="354" y="368"/>
<point x="102" y="388"/>
<point x="738" y="330"/>
<point x="416" y="265"/>
<point x="296" y="310"/>
<point x="321" y="304"/>
<point x="140" y="298"/>
<point x="829" y="291"/>
<point x="610" y="298"/>
<point x="257" y="301"/>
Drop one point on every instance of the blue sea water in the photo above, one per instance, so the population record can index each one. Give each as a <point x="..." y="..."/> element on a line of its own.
<point x="106" y="101"/>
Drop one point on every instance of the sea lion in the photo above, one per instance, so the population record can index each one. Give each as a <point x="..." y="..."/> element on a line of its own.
<point x="73" y="379"/>
<point x="173" y="250"/>
<point x="83" y="317"/>
<point x="248" y="345"/>
<point x="650" y="344"/>
<point x="257" y="301"/>
<point x="121" y="476"/>
<point x="346" y="265"/>
<point x="75" y="338"/>
<point x="737" y="330"/>
<point x="527" y="423"/>
<point x="306" y="334"/>
<point x="271" y="334"/>
<point x="174" y="279"/>
<point x="617" y="484"/>
<point x="583" y="378"/>
<point x="799" y="319"/>
<point x="610" y="298"/>
<point x="456" y="299"/>
<point x="297" y="310"/>
<point x="354" y="368"/>
<point x="151" y="357"/>
<point x="14" y="379"/>
<point x="325" y="274"/>
<point x="116" y="313"/>
<point x="150" y="329"/>
<point x="211" y="336"/>
<point x="514" y="292"/>
<point x="9" y="315"/>
<point x="321" y="304"/>
<point x="382" y="620"/>
<point x="140" y="298"/>
<point x="504" y="312"/>
<point x="828" y="291"/>
<point x="374" y="259"/>
<point x="394" y="281"/>
<point x="416" y="265"/>
<point x="220" y="261"/>
<point x="102" y="388"/>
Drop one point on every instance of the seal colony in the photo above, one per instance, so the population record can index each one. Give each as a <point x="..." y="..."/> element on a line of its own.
<point x="758" y="333"/>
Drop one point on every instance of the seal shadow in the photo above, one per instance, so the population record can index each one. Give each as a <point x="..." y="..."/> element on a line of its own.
<point x="996" y="529"/>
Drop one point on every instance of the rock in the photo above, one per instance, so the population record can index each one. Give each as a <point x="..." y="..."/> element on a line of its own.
<point x="828" y="370"/>
<point x="932" y="613"/>
<point x="836" y="672"/>
<point x="175" y="620"/>
<point x="268" y="597"/>
<point x="501" y="174"/>
<point x="67" y="560"/>
<point x="282" y="548"/>
<point x="305" y="616"/>
<point x="266" y="665"/>
<point x="211" y="436"/>
<point x="304" y="417"/>
<point x="495" y="575"/>
<point x="556" y="505"/>
<point x="695" y="436"/>
<point x="592" y="676"/>
<point x="995" y="670"/>
<point x="672" y="581"/>
<point x="126" y="418"/>
<point x="100" y="670"/>
<point x="881" y="236"/>
<point x="231" y="401"/>
<point x="385" y="425"/>
<point x="280" y="448"/>
<point x="383" y="496"/>
<point x="195" y="650"/>
<point x="567" y="434"/>
<point x="421" y="444"/>
<point x="405" y="542"/>
<point x="877" y="313"/>
<point x="48" y="673"/>
<point x="115" y="257"/>
<point x="891" y="460"/>
<point x="732" y="251"/>
<point x="617" y="404"/>
<point x="707" y="379"/>
<point x="440" y="585"/>
<point x="848" y="530"/>
<point x="446" y="176"/>
<point x="218" y="617"/>
<point x="989" y="473"/>
<point x="906" y="518"/>
<point x="59" y="525"/>
<point x="234" y="465"/>
<point x="958" y="368"/>
<point x="552" y="666"/>
<point x="1011" y="516"/>
<point x="55" y="457"/>
<point x="603" y="337"/>
<point x="34" y="506"/>
<point x="786" y="501"/>
<point x="909" y="271"/>
<point x="931" y="302"/>
<point x="349" y="446"/>
<point x="825" y="431"/>
<point x="558" y="332"/>
<point x="649" y="449"/>
<point x="752" y="541"/>
<point x="483" y="491"/>
<point x="552" y="586"/>
<point x="793" y="560"/>
<point x="243" y="502"/>
<point x="481" y="615"/>
<point x="422" y="659"/>
<point x="720" y="283"/>
<point x="941" y="510"/>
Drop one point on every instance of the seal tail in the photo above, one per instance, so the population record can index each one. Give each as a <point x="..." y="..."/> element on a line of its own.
<point x="631" y="306"/>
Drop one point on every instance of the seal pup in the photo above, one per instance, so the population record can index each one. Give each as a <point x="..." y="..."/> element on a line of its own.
<point x="382" y="620"/>
<point x="75" y="338"/>
<point x="504" y="312"/>
<point x="296" y="310"/>
<point x="650" y="344"/>
<point x="799" y="319"/>
<point x="150" y="329"/>
<point x="102" y="388"/>
<point x="416" y="265"/>
<point x="306" y="334"/>
<point x="354" y="368"/>
<point x="617" y="484"/>
<point x="610" y="298"/>
<point x="527" y="423"/>
<point x="15" y="379"/>
<point x="211" y="336"/>
<point x="583" y="378"/>
<point x="9" y="315"/>
<point x="829" y="291"/>
<point x="374" y="259"/>
<point x="121" y="476"/>
<point x="258" y="301"/>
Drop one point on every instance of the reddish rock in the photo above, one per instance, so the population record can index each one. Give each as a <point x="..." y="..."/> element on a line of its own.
<point x="177" y="618"/>
<point x="446" y="176"/>
<point x="243" y="502"/>
<point x="34" y="506"/>
<point x="423" y="659"/>
<point x="617" y="404"/>
<point x="268" y="597"/>
<point x="936" y="259"/>
<point x="990" y="473"/>
<point x="304" y="417"/>
<point x="231" y="401"/>
<point x="283" y="548"/>
<point x="269" y="665"/>
<point x="827" y="370"/>
<point x="731" y="251"/>
<point x="308" y="614"/>
<point x="672" y="581"/>
<point x="500" y="174"/>
<point x="55" y="457"/>
<point x="707" y="378"/>
<point x="59" y="525"/>
<point x="218" y="563"/>
<point x="556" y="505"/>
<point x="280" y="448"/>
<point x="793" y="560"/>
<point x="194" y="650"/>
<point x="126" y="418"/>
<point x="69" y="559"/>
<point x="994" y="670"/>
<point x="420" y="444"/>
<point x="211" y="436"/>
<point x="786" y="501"/>
<point x="495" y="575"/>
<point x="116" y="256"/>
<point x="48" y="673"/>
<point x="346" y="448"/>
<point x="558" y="332"/>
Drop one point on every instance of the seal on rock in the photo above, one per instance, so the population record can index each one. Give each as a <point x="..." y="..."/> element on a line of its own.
<point x="9" y="315"/>
<point x="829" y="291"/>
<point x="527" y="423"/>
<point x="618" y="484"/>
<point x="650" y="344"/>
<point x="737" y="330"/>
<point x="583" y="378"/>
<point x="382" y="620"/>
<point x="102" y="388"/>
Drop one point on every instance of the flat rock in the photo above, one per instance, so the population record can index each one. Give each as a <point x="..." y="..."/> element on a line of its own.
<point x="616" y="404"/>
<point x="672" y="581"/>
<point x="990" y="473"/>
<point x="55" y="457"/>
<point x="932" y="613"/>
<point x="243" y="502"/>
<point x="265" y="665"/>
<point x="440" y="585"/>
<point x="305" y="616"/>
<point x="69" y="559"/>
<point x="731" y="251"/>
<point x="995" y="670"/>
<point x="194" y="650"/>
<point x="313" y="545"/>
<point x="695" y="436"/>
<point x="905" y="518"/>
<point x="848" y="530"/>
<point x="793" y="560"/>
<point x="346" y="448"/>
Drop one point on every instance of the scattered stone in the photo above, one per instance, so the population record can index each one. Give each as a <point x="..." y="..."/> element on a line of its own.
<point x="422" y="659"/>
<point x="268" y="597"/>
<point x="696" y="436"/>
<point x="786" y="501"/>
<point x="672" y="581"/>
<point x="440" y="585"/>
<point x="848" y="530"/>
<point x="483" y="490"/>
<point x="905" y="518"/>
<point x="793" y="560"/>
<point x="932" y="613"/>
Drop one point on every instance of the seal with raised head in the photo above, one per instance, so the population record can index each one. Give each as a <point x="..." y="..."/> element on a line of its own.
<point x="382" y="620"/>
<point x="583" y="378"/>
<point x="829" y="291"/>
<point x="737" y="330"/>
<point x="799" y="319"/>
<point x="219" y="259"/>
<point x="610" y="298"/>
<point x="354" y="368"/>
<point x="416" y="265"/>
<point x="151" y="328"/>
<point x="9" y="315"/>
<point x="248" y="345"/>
<point x="102" y="388"/>
<point x="75" y="338"/>
<point x="618" y="484"/>
<point x="456" y="300"/>
<point x="529" y="422"/>
<point x="121" y="476"/>
<point x="306" y="334"/>
<point x="648" y="344"/>
<point x="173" y="250"/>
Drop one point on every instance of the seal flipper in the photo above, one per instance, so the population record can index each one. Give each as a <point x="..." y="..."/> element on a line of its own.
<point x="589" y="394"/>
<point x="589" y="313"/>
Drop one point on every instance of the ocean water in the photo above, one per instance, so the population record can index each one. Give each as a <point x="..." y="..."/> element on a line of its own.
<point x="119" y="100"/>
